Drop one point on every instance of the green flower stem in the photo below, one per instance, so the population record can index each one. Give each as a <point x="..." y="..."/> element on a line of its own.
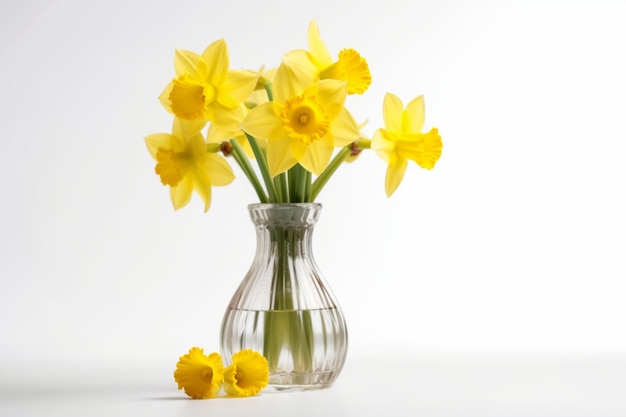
<point x="286" y="328"/>
<point x="242" y="160"/>
<point x="364" y="144"/>
<point x="291" y="182"/>
<point x="275" y="337"/>
<point x="297" y="184"/>
<point x="303" y="177"/>
<point x="336" y="162"/>
<point x="263" y="167"/>
<point x="279" y="191"/>
<point x="308" y="187"/>
<point x="291" y="185"/>
<point x="280" y="181"/>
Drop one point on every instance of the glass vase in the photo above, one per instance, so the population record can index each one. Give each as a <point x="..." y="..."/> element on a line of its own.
<point x="284" y="307"/>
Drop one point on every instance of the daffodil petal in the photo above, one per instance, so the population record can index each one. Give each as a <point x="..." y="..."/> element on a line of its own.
<point x="290" y="81"/>
<point x="164" y="98"/>
<point x="379" y="142"/>
<point x="332" y="94"/>
<point x="202" y="186"/>
<point x="197" y="147"/>
<point x="317" y="155"/>
<point x="301" y="59"/>
<point x="280" y="155"/>
<point x="392" y="113"/>
<point x="226" y="118"/>
<point x="216" y="58"/>
<point x="217" y="134"/>
<point x="298" y="149"/>
<point x="218" y="170"/>
<point x="413" y="115"/>
<point x="181" y="193"/>
<point x="236" y="88"/>
<point x="344" y="129"/>
<point x="395" y="173"/>
<point x="186" y="62"/>
<point x="160" y="140"/>
<point x="187" y="128"/>
<point x="317" y="47"/>
<point x="263" y="122"/>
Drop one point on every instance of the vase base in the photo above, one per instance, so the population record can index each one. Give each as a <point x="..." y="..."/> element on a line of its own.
<point x="289" y="382"/>
<point x="272" y="388"/>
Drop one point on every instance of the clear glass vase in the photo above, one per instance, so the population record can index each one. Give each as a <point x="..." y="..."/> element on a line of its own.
<point x="284" y="308"/>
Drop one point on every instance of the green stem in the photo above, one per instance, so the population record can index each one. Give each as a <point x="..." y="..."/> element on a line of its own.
<point x="308" y="187"/>
<point x="281" y="187"/>
<point x="263" y="167"/>
<point x="297" y="184"/>
<point x="279" y="191"/>
<point x="292" y="181"/>
<point x="336" y="162"/>
<point x="302" y="185"/>
<point x="242" y="160"/>
<point x="286" y="328"/>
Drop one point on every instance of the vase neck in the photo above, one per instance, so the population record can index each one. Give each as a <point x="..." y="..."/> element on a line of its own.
<point x="284" y="230"/>
<point x="285" y="215"/>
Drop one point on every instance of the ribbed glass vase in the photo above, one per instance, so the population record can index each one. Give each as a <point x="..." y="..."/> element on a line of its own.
<point x="284" y="307"/>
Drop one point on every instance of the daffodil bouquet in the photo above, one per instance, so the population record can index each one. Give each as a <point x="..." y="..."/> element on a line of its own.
<point x="290" y="122"/>
<point x="288" y="130"/>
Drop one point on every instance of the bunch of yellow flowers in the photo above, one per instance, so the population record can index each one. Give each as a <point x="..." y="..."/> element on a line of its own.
<point x="291" y="119"/>
<point x="204" y="376"/>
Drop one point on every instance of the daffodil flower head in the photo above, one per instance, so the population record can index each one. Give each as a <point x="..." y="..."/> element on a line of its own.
<point x="185" y="165"/>
<point x="401" y="139"/>
<point x="304" y="123"/>
<point x="200" y="375"/>
<point x="350" y="65"/>
<point x="247" y="375"/>
<point x="205" y="88"/>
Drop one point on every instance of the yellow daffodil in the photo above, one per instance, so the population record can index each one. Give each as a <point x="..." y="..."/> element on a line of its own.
<point x="185" y="165"/>
<point x="205" y="88"/>
<point x="304" y="123"/>
<point x="402" y="139"/>
<point x="200" y="375"/>
<point x="350" y="65"/>
<point x="217" y="134"/>
<point x="247" y="375"/>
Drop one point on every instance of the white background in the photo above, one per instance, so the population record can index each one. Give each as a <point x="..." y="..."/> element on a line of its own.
<point x="514" y="244"/>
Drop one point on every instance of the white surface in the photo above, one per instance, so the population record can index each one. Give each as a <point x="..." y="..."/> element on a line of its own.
<point x="422" y="383"/>
<point x="516" y="241"/>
